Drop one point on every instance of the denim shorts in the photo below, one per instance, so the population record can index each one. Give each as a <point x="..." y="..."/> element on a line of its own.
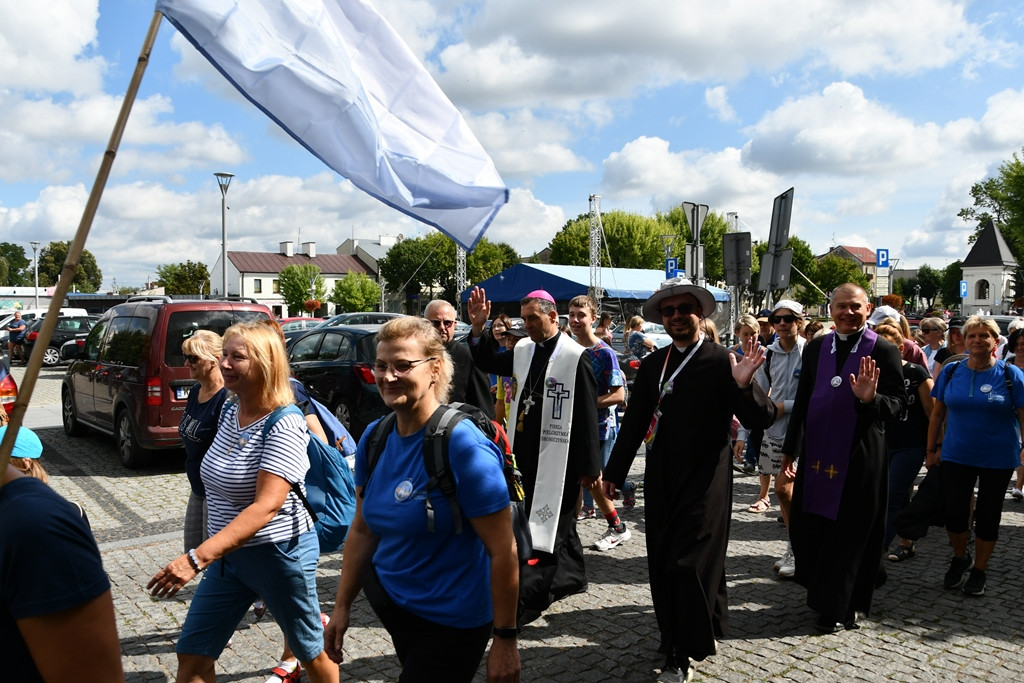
<point x="283" y="574"/>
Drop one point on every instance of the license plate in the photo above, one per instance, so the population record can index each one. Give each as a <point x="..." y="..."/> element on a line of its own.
<point x="181" y="393"/>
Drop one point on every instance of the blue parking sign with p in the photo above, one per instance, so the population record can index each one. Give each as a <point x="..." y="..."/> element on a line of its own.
<point x="671" y="265"/>
<point x="963" y="289"/>
<point x="882" y="258"/>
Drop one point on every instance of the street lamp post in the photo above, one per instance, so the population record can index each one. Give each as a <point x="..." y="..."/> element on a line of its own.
<point x="35" y="268"/>
<point x="224" y="180"/>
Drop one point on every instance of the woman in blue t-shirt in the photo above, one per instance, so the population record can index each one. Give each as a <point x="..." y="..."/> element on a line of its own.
<point x="198" y="424"/>
<point x="432" y="590"/>
<point x="981" y="401"/>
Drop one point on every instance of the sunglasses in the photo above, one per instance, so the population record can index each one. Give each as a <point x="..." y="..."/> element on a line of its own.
<point x="684" y="309"/>
<point x="439" y="323"/>
<point x="189" y="358"/>
<point x="400" y="367"/>
<point x="776" y="319"/>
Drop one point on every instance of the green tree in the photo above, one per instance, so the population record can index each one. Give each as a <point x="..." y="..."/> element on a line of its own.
<point x="930" y="281"/>
<point x="804" y="260"/>
<point x="19" y="271"/>
<point x="1000" y="199"/>
<point x="833" y="271"/>
<point x="184" y="278"/>
<point x="88" y="276"/>
<point x="632" y="240"/>
<point x="301" y="283"/>
<point x="356" y="292"/>
<point x="949" y="290"/>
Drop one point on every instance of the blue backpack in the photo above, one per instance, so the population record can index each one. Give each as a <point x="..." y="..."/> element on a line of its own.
<point x="331" y="489"/>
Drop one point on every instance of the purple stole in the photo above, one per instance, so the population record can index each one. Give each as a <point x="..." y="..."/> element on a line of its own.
<point x="831" y="421"/>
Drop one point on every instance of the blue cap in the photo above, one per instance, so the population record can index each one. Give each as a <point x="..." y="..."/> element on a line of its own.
<point x="27" y="445"/>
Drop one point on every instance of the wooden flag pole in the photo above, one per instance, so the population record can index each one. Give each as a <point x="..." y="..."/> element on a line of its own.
<point x="67" y="273"/>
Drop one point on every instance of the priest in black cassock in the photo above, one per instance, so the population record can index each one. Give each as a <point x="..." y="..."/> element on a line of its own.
<point x="552" y="424"/>
<point x="682" y="402"/>
<point x="851" y="382"/>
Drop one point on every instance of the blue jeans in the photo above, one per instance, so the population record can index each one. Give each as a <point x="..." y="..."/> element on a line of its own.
<point x="606" y="452"/>
<point x="283" y="574"/>
<point x="904" y="466"/>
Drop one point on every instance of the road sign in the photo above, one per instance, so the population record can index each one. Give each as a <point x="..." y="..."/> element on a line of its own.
<point x="782" y="210"/>
<point x="695" y="215"/>
<point x="736" y="253"/>
<point x="671" y="265"/>
<point x="963" y="289"/>
<point x="775" y="270"/>
<point x="882" y="258"/>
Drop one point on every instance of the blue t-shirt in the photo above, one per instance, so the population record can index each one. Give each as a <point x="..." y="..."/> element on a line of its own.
<point x="197" y="428"/>
<point x="49" y="563"/>
<point x="608" y="374"/>
<point x="440" y="576"/>
<point x="981" y="418"/>
<point x="636" y="345"/>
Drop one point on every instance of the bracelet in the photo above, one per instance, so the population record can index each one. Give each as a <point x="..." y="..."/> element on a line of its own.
<point x="194" y="560"/>
<point x="511" y="633"/>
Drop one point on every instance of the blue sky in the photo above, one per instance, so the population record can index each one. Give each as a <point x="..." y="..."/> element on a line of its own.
<point x="881" y="115"/>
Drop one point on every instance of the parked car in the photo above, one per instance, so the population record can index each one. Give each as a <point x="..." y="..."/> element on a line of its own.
<point x="129" y="378"/>
<point x="356" y="318"/>
<point x="293" y="324"/>
<point x="8" y="387"/>
<point x="68" y="327"/>
<point x="28" y="315"/>
<point x="335" y="364"/>
<point x="653" y="330"/>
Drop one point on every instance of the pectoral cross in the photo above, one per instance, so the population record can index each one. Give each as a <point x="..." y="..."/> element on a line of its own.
<point x="528" y="402"/>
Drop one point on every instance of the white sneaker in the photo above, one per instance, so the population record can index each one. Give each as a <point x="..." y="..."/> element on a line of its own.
<point x="1017" y="493"/>
<point x="674" y="675"/>
<point x="612" y="539"/>
<point x="787" y="567"/>
<point x="778" y="562"/>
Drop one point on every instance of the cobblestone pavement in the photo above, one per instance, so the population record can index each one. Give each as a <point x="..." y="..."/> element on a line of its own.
<point x="917" y="631"/>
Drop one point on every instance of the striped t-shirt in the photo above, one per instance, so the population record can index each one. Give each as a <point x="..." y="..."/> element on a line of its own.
<point x="231" y="464"/>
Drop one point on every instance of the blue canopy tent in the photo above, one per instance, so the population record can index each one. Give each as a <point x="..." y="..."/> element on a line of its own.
<point x="565" y="282"/>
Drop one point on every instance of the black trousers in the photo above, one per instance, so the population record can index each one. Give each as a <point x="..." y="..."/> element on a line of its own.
<point x="428" y="651"/>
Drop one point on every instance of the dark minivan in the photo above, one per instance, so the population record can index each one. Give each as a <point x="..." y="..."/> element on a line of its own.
<point x="129" y="377"/>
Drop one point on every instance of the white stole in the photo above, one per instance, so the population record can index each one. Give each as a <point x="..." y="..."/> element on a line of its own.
<point x="557" y="388"/>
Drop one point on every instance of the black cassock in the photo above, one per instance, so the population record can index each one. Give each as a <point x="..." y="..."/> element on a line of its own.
<point x="469" y="384"/>
<point x="687" y="487"/>
<point x="552" y="576"/>
<point x="838" y="560"/>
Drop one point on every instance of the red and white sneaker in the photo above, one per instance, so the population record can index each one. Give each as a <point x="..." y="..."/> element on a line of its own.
<point x="283" y="673"/>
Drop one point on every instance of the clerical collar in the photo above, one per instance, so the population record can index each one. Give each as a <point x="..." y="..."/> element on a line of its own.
<point x="550" y="341"/>
<point x="846" y="337"/>
<point x="687" y="347"/>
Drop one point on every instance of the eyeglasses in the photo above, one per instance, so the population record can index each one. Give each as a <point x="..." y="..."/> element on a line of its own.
<point x="400" y="367"/>
<point x="189" y="358"/>
<point x="684" y="309"/>
<point x="445" y="323"/>
<point x="776" y="319"/>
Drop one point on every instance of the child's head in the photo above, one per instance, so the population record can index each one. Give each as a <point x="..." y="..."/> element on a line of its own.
<point x="25" y="456"/>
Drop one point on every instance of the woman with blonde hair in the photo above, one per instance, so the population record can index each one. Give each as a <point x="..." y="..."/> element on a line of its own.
<point x="440" y="594"/>
<point x="198" y="424"/>
<point x="262" y="541"/>
<point x="981" y="402"/>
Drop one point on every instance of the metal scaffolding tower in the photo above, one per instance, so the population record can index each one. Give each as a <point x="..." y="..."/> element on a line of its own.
<point x="596" y="229"/>
<point x="460" y="271"/>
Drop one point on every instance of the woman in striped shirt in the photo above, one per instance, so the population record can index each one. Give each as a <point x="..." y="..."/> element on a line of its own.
<point x="261" y="541"/>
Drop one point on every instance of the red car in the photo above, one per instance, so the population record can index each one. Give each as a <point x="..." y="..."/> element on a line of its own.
<point x="8" y="388"/>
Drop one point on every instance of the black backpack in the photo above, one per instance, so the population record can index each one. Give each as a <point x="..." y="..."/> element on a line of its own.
<point x="435" y="460"/>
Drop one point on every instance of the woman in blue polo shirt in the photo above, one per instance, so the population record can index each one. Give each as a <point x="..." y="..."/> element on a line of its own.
<point x="981" y="401"/>
<point x="432" y="589"/>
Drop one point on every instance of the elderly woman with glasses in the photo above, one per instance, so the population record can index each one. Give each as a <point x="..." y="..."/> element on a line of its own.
<point x="198" y="423"/>
<point x="262" y="541"/>
<point x="439" y="593"/>
<point x="981" y="402"/>
<point x="933" y="332"/>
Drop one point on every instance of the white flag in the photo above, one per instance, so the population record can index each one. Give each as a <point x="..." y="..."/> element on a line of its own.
<point x="338" y="79"/>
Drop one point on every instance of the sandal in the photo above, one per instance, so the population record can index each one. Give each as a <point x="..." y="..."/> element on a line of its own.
<point x="902" y="552"/>
<point x="762" y="505"/>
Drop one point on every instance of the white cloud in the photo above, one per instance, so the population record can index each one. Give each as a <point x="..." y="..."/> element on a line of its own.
<point x="527" y="223"/>
<point x="524" y="146"/>
<point x="46" y="46"/>
<point x="717" y="100"/>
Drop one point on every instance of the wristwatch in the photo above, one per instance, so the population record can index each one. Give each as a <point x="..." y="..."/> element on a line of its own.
<point x="511" y="633"/>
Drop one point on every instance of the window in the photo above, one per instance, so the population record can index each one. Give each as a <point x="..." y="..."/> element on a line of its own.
<point x="257" y="285"/>
<point x="183" y="324"/>
<point x="982" y="290"/>
<point x="276" y="285"/>
<point x="128" y="342"/>
<point x="305" y="348"/>
<point x="335" y="347"/>
<point x="91" y="350"/>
